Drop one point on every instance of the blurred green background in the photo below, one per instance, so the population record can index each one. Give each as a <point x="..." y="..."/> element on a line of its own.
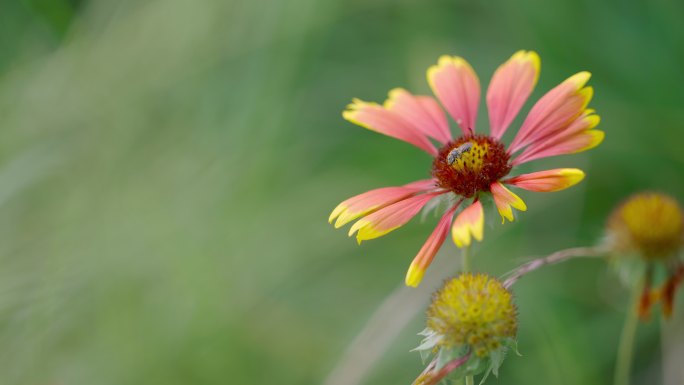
<point x="167" y="168"/>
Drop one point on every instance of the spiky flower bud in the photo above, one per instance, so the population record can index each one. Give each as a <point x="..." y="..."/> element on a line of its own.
<point x="472" y="316"/>
<point x="473" y="310"/>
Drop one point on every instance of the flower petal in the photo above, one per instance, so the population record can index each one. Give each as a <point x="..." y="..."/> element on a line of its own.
<point x="373" y="200"/>
<point x="456" y="85"/>
<point x="586" y="121"/>
<point x="510" y="87"/>
<point x="504" y="200"/>
<point x="582" y="141"/>
<point x="374" y="117"/>
<point x="424" y="257"/>
<point x="669" y="289"/>
<point x="423" y="112"/>
<point x="648" y="298"/>
<point x="549" y="180"/>
<point x="577" y="137"/>
<point x="554" y="111"/>
<point x="469" y="222"/>
<point x="390" y="217"/>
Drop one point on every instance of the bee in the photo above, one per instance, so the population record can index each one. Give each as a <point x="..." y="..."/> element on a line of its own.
<point x="457" y="152"/>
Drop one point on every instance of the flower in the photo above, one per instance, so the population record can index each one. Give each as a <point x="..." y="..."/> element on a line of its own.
<point x="473" y="165"/>
<point x="650" y="225"/>
<point x="473" y="310"/>
<point x="472" y="314"/>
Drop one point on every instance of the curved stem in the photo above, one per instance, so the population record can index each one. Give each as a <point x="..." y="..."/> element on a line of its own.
<point x="551" y="259"/>
<point x="625" y="352"/>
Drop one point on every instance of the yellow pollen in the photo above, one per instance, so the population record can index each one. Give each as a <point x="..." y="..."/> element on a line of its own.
<point x="475" y="309"/>
<point x="469" y="158"/>
<point x="651" y="224"/>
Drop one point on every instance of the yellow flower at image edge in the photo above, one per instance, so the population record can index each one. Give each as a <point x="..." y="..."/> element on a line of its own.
<point x="471" y="315"/>
<point x="650" y="225"/>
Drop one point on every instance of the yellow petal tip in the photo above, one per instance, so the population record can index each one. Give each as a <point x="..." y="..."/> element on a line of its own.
<point x="392" y="95"/>
<point x="573" y="176"/>
<point x="580" y="78"/>
<point x="462" y="240"/>
<point x="592" y="120"/>
<point x="414" y="276"/>
<point x="508" y="216"/>
<point x="596" y="138"/>
<point x="336" y="213"/>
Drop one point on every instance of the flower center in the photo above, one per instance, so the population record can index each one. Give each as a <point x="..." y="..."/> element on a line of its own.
<point x="470" y="164"/>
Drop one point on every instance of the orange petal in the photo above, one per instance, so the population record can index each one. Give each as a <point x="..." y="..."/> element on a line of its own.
<point x="577" y="137"/>
<point x="554" y="111"/>
<point x="469" y="222"/>
<point x="505" y="200"/>
<point x="423" y="112"/>
<point x="373" y="200"/>
<point x="510" y="87"/>
<point x="376" y="118"/>
<point x="579" y="142"/>
<point x="456" y="85"/>
<point x="669" y="289"/>
<point x="424" y="257"/>
<point x="646" y="301"/>
<point x="549" y="180"/>
<point x="390" y="217"/>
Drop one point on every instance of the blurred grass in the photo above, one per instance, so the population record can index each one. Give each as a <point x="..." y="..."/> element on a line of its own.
<point x="166" y="169"/>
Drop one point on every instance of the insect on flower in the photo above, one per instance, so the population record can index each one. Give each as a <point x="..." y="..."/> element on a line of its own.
<point x="456" y="153"/>
<point x="472" y="165"/>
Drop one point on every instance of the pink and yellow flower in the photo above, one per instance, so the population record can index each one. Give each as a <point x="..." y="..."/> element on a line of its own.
<point x="471" y="165"/>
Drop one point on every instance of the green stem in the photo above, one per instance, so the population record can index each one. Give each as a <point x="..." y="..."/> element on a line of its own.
<point x="465" y="265"/>
<point x="625" y="352"/>
<point x="470" y="380"/>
